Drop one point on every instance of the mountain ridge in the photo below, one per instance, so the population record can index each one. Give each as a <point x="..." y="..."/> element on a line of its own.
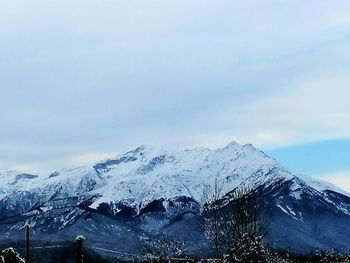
<point x="146" y="191"/>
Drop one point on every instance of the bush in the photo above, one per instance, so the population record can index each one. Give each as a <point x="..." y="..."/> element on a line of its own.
<point x="9" y="255"/>
<point x="248" y="249"/>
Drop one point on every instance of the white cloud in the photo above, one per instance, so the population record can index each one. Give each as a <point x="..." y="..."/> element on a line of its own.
<point x="104" y="75"/>
<point x="313" y="109"/>
<point x="48" y="166"/>
<point x="86" y="159"/>
<point x="339" y="178"/>
<point x="29" y="167"/>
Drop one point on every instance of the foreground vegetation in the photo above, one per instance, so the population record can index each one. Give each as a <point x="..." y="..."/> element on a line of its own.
<point x="244" y="255"/>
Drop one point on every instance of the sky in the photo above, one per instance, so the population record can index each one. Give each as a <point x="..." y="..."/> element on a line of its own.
<point x="84" y="80"/>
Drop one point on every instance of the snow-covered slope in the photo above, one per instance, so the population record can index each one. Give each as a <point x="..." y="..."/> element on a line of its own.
<point x="145" y="182"/>
<point x="145" y="174"/>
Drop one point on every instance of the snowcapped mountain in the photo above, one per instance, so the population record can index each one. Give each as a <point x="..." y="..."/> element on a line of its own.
<point x="149" y="191"/>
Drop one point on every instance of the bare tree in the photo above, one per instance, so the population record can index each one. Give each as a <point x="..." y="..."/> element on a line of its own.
<point x="212" y="222"/>
<point x="228" y="218"/>
<point x="245" y="214"/>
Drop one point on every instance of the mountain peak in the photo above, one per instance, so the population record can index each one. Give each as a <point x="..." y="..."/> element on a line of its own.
<point x="142" y="149"/>
<point x="233" y="144"/>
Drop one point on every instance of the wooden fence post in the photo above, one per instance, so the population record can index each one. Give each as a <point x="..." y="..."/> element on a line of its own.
<point x="79" y="240"/>
<point x="289" y="251"/>
<point x="27" y="255"/>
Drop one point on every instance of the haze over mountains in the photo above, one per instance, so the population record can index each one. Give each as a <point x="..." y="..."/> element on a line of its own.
<point x="120" y="202"/>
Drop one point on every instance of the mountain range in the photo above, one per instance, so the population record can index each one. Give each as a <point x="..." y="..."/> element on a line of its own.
<point x="118" y="203"/>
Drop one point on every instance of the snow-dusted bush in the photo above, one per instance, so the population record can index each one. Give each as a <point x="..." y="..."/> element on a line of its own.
<point x="248" y="249"/>
<point x="275" y="258"/>
<point x="331" y="256"/>
<point x="163" y="248"/>
<point x="251" y="249"/>
<point x="9" y="255"/>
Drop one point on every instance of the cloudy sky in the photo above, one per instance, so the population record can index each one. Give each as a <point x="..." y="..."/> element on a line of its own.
<point x="82" y="80"/>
